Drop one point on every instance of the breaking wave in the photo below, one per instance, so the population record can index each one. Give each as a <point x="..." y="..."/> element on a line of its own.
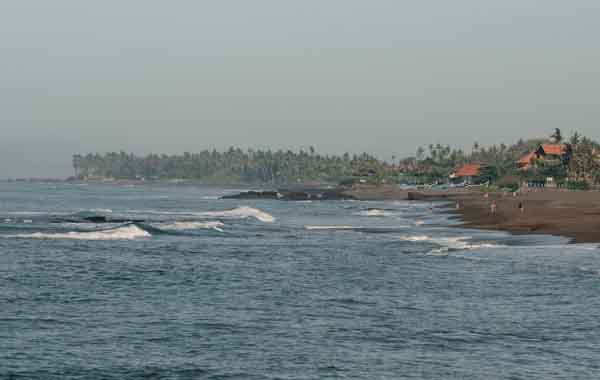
<point x="101" y="210"/>
<point x="239" y="213"/>
<point x="451" y="243"/>
<point x="375" y="212"/>
<point x="128" y="232"/>
<point x="183" y="226"/>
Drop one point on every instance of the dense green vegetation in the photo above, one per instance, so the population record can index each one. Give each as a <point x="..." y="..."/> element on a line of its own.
<point x="232" y="166"/>
<point x="580" y="162"/>
<point x="433" y="164"/>
<point x="437" y="161"/>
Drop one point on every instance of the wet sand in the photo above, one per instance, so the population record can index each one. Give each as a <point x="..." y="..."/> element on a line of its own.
<point x="573" y="214"/>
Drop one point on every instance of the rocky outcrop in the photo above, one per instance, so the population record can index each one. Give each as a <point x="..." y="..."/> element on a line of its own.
<point x="311" y="194"/>
<point x="254" y="195"/>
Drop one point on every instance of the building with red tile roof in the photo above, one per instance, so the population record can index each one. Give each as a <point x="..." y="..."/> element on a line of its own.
<point x="469" y="170"/>
<point x="544" y="151"/>
<point x="467" y="173"/>
<point x="526" y="161"/>
<point x="553" y="149"/>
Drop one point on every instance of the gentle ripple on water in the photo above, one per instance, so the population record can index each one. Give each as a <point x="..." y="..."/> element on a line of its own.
<point x="384" y="297"/>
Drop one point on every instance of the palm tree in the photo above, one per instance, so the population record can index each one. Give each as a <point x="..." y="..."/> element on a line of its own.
<point x="575" y="138"/>
<point x="557" y="136"/>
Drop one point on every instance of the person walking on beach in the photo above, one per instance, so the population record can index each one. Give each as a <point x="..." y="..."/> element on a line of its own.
<point x="458" y="205"/>
<point x="493" y="207"/>
<point x="521" y="207"/>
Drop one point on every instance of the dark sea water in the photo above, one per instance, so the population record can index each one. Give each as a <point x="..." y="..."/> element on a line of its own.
<point x="201" y="288"/>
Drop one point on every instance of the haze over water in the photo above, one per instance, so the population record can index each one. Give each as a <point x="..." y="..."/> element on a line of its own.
<point x="200" y="288"/>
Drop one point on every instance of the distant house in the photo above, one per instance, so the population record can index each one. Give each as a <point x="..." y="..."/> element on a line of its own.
<point x="543" y="152"/>
<point x="556" y="150"/>
<point x="526" y="161"/>
<point x="467" y="173"/>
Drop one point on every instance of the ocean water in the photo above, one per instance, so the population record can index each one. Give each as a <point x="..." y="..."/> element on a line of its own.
<point x="181" y="285"/>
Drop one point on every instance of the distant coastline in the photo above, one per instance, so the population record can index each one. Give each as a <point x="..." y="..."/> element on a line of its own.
<point x="555" y="161"/>
<point x="569" y="213"/>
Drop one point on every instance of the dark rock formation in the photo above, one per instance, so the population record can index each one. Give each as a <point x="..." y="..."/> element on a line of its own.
<point x="315" y="195"/>
<point x="308" y="194"/>
<point x="253" y="195"/>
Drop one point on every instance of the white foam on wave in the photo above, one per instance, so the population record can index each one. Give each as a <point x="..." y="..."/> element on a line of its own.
<point x="375" y="212"/>
<point x="183" y="226"/>
<point x="102" y="210"/>
<point x="458" y="242"/>
<point x="122" y="233"/>
<point x="242" y="212"/>
<point x="416" y="238"/>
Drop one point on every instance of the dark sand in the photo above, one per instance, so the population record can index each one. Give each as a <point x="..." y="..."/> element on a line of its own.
<point x="377" y="193"/>
<point x="573" y="214"/>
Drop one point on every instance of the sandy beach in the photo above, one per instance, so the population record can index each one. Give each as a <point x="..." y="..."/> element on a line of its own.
<point x="573" y="214"/>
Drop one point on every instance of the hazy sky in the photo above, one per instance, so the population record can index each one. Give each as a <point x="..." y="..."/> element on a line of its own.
<point x="382" y="76"/>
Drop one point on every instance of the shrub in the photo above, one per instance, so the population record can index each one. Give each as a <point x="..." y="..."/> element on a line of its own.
<point x="489" y="189"/>
<point x="578" y="185"/>
<point x="509" y="183"/>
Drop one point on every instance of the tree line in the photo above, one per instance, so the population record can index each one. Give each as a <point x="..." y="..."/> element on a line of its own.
<point x="430" y="164"/>
<point x="580" y="160"/>
<point x="232" y="166"/>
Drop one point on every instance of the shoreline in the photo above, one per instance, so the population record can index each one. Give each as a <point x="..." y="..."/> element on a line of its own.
<point x="571" y="214"/>
<point x="568" y="213"/>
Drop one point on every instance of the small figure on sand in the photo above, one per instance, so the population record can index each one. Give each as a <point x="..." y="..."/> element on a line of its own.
<point x="521" y="207"/>
<point x="458" y="205"/>
<point x="486" y="195"/>
<point x="493" y="207"/>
